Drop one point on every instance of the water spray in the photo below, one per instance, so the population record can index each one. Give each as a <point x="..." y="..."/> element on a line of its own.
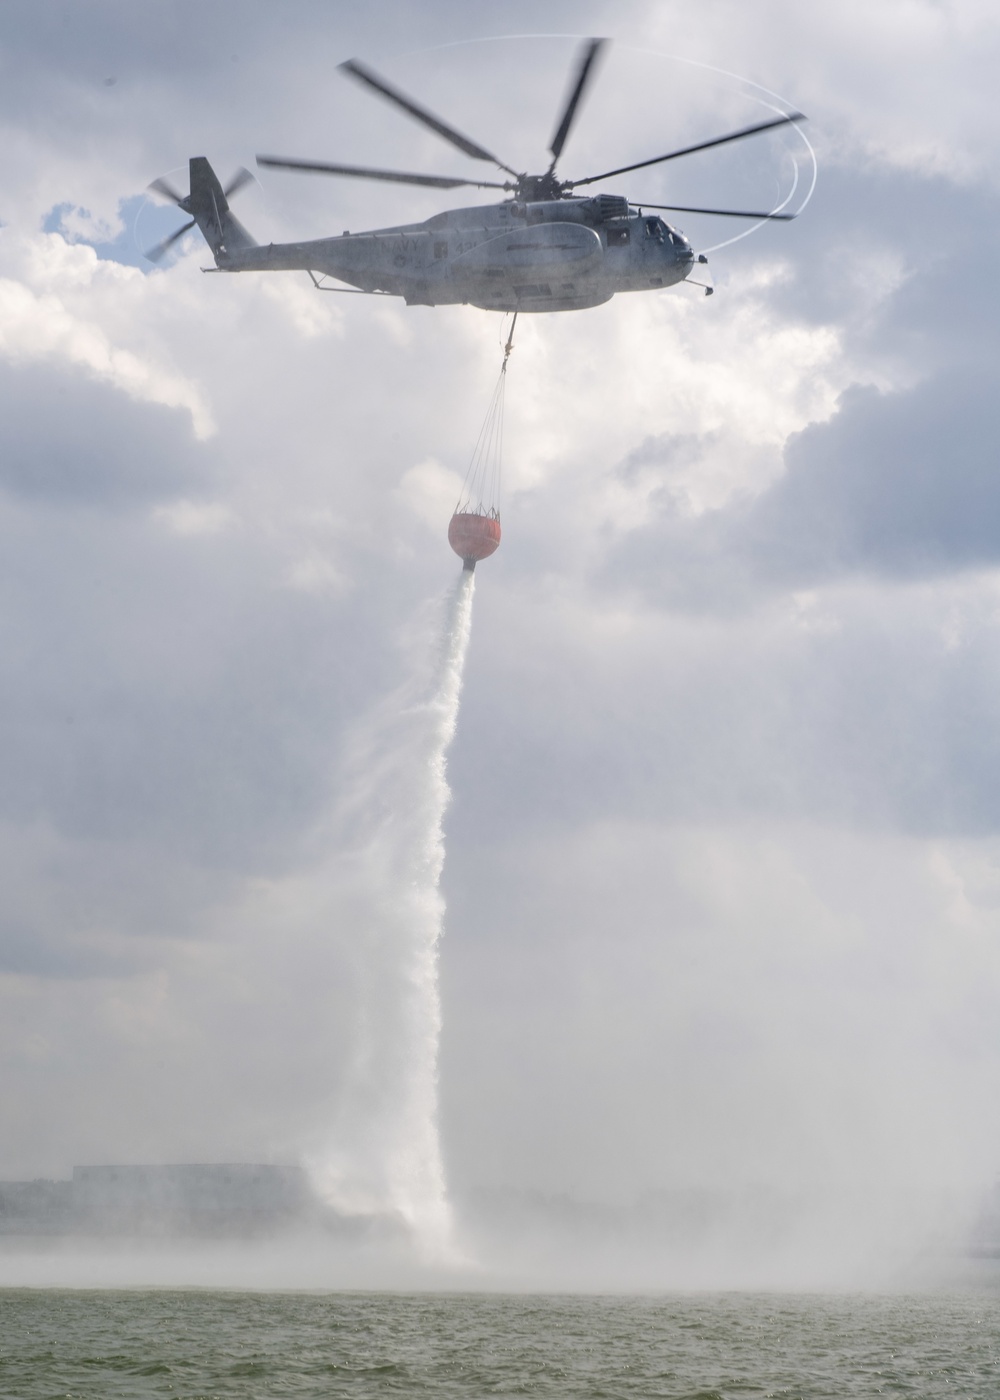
<point x="383" y="1159"/>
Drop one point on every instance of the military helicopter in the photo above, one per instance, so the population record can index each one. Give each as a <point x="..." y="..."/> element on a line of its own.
<point x="543" y="248"/>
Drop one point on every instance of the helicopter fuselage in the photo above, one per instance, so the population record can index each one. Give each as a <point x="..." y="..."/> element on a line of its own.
<point x="546" y="255"/>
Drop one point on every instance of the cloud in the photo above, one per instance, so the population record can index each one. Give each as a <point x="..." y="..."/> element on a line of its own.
<point x="38" y="322"/>
<point x="897" y="480"/>
<point x="195" y="518"/>
<point x="65" y="440"/>
<point x="900" y="484"/>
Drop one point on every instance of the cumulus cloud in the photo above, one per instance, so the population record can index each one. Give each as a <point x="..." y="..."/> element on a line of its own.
<point x="39" y="322"/>
<point x="898" y="484"/>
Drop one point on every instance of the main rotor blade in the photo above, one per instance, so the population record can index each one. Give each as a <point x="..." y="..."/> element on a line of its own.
<point x="727" y="213"/>
<point x="587" y="61"/>
<point x="167" y="190"/>
<point x="155" y="254"/>
<point x="421" y="114"/>
<point x="368" y="172"/>
<point x="241" y="178"/>
<point x="689" y="150"/>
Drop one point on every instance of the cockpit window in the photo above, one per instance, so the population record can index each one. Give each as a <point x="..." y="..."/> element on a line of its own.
<point x="655" y="228"/>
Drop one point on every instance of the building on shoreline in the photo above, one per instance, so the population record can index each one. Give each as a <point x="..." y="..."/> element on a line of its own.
<point x="213" y="1199"/>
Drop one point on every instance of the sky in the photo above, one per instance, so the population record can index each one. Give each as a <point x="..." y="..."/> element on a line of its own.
<point x="723" y="853"/>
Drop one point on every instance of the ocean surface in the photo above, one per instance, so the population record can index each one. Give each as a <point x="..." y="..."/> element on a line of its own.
<point x="196" y="1345"/>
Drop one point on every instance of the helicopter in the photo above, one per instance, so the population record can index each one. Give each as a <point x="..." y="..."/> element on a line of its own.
<point x="542" y="248"/>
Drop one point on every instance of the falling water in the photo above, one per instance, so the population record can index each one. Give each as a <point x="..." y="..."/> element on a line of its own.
<point x="385" y="1155"/>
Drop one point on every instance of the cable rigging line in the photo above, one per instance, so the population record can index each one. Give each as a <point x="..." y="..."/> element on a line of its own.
<point x="480" y="493"/>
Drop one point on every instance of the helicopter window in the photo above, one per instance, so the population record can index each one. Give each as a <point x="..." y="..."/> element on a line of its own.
<point x="617" y="236"/>
<point x="440" y="249"/>
<point x="655" y="228"/>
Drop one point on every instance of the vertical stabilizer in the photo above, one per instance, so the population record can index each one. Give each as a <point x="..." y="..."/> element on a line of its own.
<point x="208" y="206"/>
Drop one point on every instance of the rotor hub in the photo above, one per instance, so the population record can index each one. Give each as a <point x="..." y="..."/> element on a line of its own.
<point x="531" y="188"/>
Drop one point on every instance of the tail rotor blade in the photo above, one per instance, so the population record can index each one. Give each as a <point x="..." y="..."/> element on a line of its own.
<point x="166" y="189"/>
<point x="155" y="254"/>
<point x="588" y="59"/>
<point x="241" y="178"/>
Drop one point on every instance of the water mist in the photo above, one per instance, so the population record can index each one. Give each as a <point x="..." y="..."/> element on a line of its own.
<point x="384" y="1158"/>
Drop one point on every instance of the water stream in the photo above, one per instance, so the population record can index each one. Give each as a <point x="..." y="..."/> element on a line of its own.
<point x="384" y="1156"/>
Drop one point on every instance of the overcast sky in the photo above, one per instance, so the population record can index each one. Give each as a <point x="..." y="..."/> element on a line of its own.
<point x="723" y="871"/>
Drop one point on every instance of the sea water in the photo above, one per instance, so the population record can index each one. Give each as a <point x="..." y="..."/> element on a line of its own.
<point x="100" y="1345"/>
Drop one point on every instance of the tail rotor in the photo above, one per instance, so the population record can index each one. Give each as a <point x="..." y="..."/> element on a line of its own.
<point x="166" y="191"/>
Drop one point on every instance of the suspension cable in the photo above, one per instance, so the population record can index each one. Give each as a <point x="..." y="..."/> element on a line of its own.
<point x="480" y="494"/>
